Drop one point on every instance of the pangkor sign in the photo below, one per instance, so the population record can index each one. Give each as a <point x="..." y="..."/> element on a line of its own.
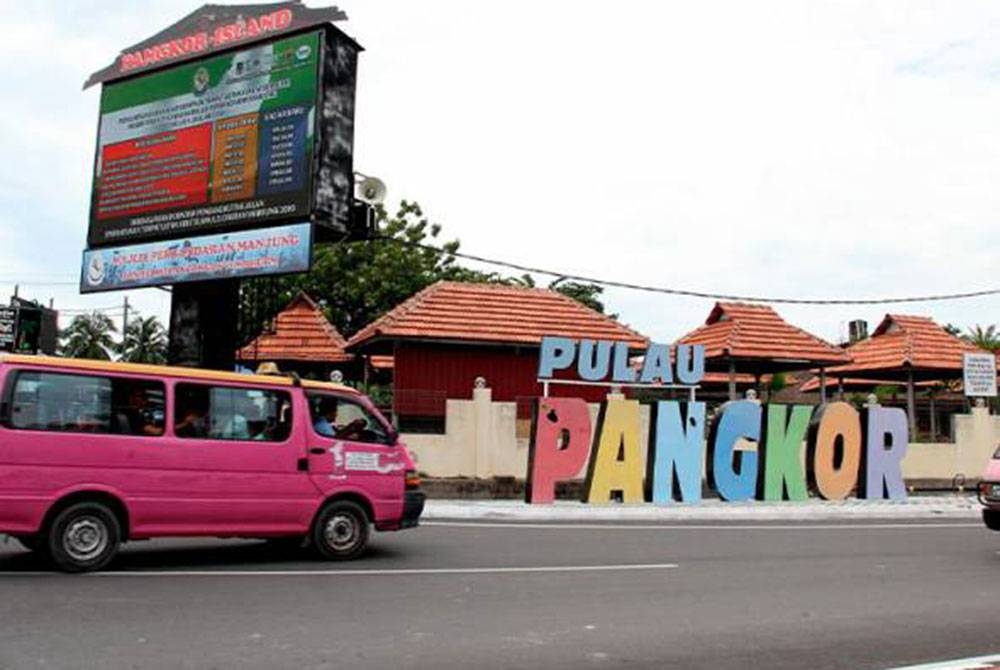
<point x="214" y="28"/>
<point x="844" y="448"/>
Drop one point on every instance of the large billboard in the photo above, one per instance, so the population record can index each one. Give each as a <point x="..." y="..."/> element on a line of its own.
<point x="247" y="253"/>
<point x="222" y="142"/>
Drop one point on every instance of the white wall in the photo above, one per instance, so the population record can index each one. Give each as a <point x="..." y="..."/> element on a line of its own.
<point x="481" y="441"/>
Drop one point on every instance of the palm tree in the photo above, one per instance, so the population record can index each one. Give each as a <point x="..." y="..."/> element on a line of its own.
<point x="985" y="338"/>
<point x="145" y="341"/>
<point x="89" y="336"/>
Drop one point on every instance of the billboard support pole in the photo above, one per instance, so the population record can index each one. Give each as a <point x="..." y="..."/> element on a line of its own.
<point x="203" y="319"/>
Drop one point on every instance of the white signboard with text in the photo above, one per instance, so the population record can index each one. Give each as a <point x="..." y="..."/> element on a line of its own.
<point x="980" y="375"/>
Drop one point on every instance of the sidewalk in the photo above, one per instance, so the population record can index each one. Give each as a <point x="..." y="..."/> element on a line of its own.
<point x="951" y="507"/>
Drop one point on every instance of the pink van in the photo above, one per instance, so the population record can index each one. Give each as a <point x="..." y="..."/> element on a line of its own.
<point x="989" y="493"/>
<point x="93" y="454"/>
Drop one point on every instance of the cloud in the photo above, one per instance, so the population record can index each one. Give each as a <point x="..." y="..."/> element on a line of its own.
<point x="783" y="148"/>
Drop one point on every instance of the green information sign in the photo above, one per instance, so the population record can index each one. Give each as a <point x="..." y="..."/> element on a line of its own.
<point x="218" y="143"/>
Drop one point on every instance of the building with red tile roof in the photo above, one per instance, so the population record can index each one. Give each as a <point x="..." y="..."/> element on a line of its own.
<point x="445" y="337"/>
<point x="301" y="340"/>
<point x="903" y="344"/>
<point x="760" y="340"/>
<point x="909" y="349"/>
<point x="491" y="313"/>
<point x="754" y="339"/>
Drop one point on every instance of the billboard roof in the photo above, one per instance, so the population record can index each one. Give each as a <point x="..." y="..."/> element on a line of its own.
<point x="210" y="29"/>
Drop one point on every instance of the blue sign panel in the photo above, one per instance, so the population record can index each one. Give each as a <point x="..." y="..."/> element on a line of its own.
<point x="249" y="253"/>
<point x="283" y="150"/>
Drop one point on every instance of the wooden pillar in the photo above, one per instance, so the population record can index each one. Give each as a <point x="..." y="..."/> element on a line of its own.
<point x="732" y="379"/>
<point x="840" y="387"/>
<point x="911" y="403"/>
<point x="934" y="426"/>
<point x="822" y="386"/>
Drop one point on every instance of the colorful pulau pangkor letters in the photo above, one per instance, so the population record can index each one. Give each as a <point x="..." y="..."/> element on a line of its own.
<point x="767" y="452"/>
<point x="617" y="459"/>
<point x="732" y="472"/>
<point x="675" y="464"/>
<point x="833" y="455"/>
<point x="840" y="447"/>
<point x="562" y="427"/>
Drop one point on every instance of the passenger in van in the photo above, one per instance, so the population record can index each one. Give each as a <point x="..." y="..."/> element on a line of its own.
<point x="138" y="417"/>
<point x="193" y="423"/>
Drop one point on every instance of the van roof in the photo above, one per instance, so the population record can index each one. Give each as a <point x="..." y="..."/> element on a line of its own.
<point x="166" y="371"/>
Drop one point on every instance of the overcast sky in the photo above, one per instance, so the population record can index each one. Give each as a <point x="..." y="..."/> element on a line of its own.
<point x="797" y="149"/>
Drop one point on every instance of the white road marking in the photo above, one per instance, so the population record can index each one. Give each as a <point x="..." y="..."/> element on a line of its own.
<point x="365" y="573"/>
<point x="977" y="663"/>
<point x="729" y="526"/>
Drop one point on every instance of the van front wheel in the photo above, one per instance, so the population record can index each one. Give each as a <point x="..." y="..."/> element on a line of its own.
<point x="83" y="537"/>
<point x="341" y="531"/>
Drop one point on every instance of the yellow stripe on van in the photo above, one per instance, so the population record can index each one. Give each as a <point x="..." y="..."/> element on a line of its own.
<point x="55" y="362"/>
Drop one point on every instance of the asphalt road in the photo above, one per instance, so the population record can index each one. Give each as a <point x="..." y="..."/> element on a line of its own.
<point x="479" y="596"/>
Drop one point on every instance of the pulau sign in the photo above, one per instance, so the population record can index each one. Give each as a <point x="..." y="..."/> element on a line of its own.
<point x="829" y="450"/>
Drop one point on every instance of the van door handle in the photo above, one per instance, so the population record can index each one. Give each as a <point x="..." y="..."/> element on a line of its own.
<point x="317" y="451"/>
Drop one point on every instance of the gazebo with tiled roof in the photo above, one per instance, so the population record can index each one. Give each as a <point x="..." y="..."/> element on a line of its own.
<point x="444" y="337"/>
<point x="909" y="349"/>
<point x="754" y="339"/>
<point x="301" y="340"/>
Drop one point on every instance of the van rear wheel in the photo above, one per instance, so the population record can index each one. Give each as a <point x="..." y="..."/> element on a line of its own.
<point x="82" y="538"/>
<point x="340" y="532"/>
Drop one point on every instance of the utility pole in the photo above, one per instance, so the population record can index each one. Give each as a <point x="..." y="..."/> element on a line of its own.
<point x="124" y="323"/>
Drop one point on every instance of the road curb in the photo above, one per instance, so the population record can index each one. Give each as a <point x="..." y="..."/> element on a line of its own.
<point x="950" y="508"/>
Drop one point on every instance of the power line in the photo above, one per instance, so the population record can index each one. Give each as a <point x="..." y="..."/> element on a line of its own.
<point x="31" y="282"/>
<point x="697" y="294"/>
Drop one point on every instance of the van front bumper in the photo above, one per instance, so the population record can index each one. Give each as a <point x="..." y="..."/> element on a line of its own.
<point x="413" y="507"/>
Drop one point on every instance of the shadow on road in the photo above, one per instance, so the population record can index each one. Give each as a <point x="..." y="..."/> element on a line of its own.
<point x="177" y="555"/>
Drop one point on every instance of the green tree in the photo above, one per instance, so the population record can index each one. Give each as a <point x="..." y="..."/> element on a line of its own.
<point x="89" y="336"/>
<point x="145" y="341"/>
<point x="585" y="293"/>
<point x="985" y="338"/>
<point x="588" y="294"/>
<point x="358" y="282"/>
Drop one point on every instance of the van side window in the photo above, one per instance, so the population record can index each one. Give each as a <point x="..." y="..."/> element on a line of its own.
<point x="227" y="413"/>
<point x="86" y="404"/>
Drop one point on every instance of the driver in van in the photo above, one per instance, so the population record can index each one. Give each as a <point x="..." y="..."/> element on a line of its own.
<point x="325" y="422"/>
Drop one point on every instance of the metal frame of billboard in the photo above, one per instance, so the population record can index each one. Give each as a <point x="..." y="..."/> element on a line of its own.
<point x="329" y="180"/>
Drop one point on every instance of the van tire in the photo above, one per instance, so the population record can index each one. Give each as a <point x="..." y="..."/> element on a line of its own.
<point x="992" y="519"/>
<point x="82" y="538"/>
<point x="340" y="532"/>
